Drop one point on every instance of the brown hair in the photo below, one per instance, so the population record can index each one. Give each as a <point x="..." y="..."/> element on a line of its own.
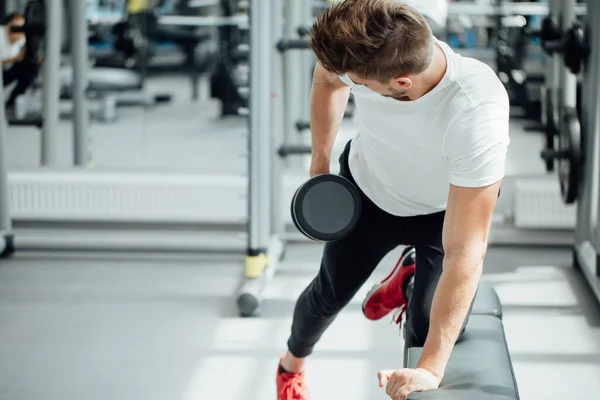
<point x="374" y="39"/>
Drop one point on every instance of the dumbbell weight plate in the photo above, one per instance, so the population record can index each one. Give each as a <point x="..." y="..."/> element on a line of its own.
<point x="326" y="208"/>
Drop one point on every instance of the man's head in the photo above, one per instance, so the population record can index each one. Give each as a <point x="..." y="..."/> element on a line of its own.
<point x="382" y="44"/>
<point x="14" y="19"/>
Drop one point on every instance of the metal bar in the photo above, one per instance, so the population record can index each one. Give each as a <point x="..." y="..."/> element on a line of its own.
<point x="591" y="102"/>
<point x="587" y="239"/>
<point x="51" y="93"/>
<point x="308" y="62"/>
<point x="554" y="66"/>
<point x="259" y="265"/>
<point x="92" y="237"/>
<point x="293" y="70"/>
<point x="5" y="221"/>
<point x="302" y="125"/>
<point x="277" y="121"/>
<point x="253" y="131"/>
<point x="303" y="31"/>
<point x="507" y="8"/>
<point x="259" y="124"/>
<point x="203" y="3"/>
<point x="265" y="52"/>
<point x="589" y="204"/>
<point x="79" y="47"/>
<point x="290" y="150"/>
<point x="568" y="79"/>
<point x="293" y="44"/>
<point x="241" y="21"/>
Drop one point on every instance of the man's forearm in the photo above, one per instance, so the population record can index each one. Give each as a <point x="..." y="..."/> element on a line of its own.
<point x="451" y="302"/>
<point x="327" y="106"/>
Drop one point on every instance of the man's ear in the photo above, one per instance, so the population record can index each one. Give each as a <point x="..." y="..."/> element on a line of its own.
<point x="402" y="82"/>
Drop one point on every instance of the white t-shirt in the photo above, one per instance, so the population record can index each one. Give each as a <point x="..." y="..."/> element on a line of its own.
<point x="8" y="50"/>
<point x="407" y="153"/>
<point x="437" y="10"/>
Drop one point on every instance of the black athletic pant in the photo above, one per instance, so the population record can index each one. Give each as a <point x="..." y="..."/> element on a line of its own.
<point x="24" y="73"/>
<point x="347" y="264"/>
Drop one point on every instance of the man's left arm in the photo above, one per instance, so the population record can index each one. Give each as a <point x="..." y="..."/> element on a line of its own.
<point x="465" y="237"/>
<point x="476" y="149"/>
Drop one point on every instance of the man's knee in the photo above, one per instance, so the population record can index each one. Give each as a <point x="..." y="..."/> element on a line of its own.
<point x="321" y="295"/>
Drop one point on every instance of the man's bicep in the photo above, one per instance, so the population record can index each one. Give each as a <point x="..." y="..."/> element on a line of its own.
<point x="468" y="219"/>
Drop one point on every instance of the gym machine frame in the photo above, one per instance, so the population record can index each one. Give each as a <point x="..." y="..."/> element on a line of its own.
<point x="586" y="252"/>
<point x="7" y="246"/>
<point x="201" y="201"/>
<point x="265" y="228"/>
<point x="204" y="193"/>
<point x="573" y="49"/>
<point x="506" y="8"/>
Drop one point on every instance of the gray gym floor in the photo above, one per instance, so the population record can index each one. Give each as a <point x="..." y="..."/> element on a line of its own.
<point x="126" y="326"/>
<point x="129" y="326"/>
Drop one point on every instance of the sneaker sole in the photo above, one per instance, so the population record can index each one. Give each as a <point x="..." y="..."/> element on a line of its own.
<point x="378" y="286"/>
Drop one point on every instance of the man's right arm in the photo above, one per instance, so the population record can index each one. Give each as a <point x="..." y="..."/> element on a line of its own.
<point x="328" y="100"/>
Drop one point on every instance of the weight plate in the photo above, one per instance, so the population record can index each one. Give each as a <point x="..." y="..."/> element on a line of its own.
<point x="549" y="123"/>
<point x="35" y="23"/>
<point x="326" y="208"/>
<point x="569" y="166"/>
<point x="575" y="48"/>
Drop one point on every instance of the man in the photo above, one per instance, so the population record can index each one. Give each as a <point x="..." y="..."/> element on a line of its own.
<point x="428" y="160"/>
<point x="12" y="53"/>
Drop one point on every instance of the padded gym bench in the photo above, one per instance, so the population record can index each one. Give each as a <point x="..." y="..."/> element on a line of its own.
<point x="480" y="367"/>
<point x="487" y="302"/>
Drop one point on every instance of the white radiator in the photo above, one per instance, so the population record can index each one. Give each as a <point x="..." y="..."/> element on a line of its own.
<point x="73" y="195"/>
<point x="538" y="205"/>
<point x="97" y="196"/>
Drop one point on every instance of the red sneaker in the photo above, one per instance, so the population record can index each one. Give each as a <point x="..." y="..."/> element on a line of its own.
<point x="387" y="295"/>
<point x="290" y="386"/>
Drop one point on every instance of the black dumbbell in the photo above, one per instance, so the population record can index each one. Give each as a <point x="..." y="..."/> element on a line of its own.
<point x="326" y="208"/>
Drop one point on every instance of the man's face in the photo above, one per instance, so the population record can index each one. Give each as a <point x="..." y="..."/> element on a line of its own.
<point x="397" y="88"/>
<point x="15" y="37"/>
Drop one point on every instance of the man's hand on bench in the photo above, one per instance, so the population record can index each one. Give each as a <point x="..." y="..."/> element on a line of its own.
<point x="400" y="383"/>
